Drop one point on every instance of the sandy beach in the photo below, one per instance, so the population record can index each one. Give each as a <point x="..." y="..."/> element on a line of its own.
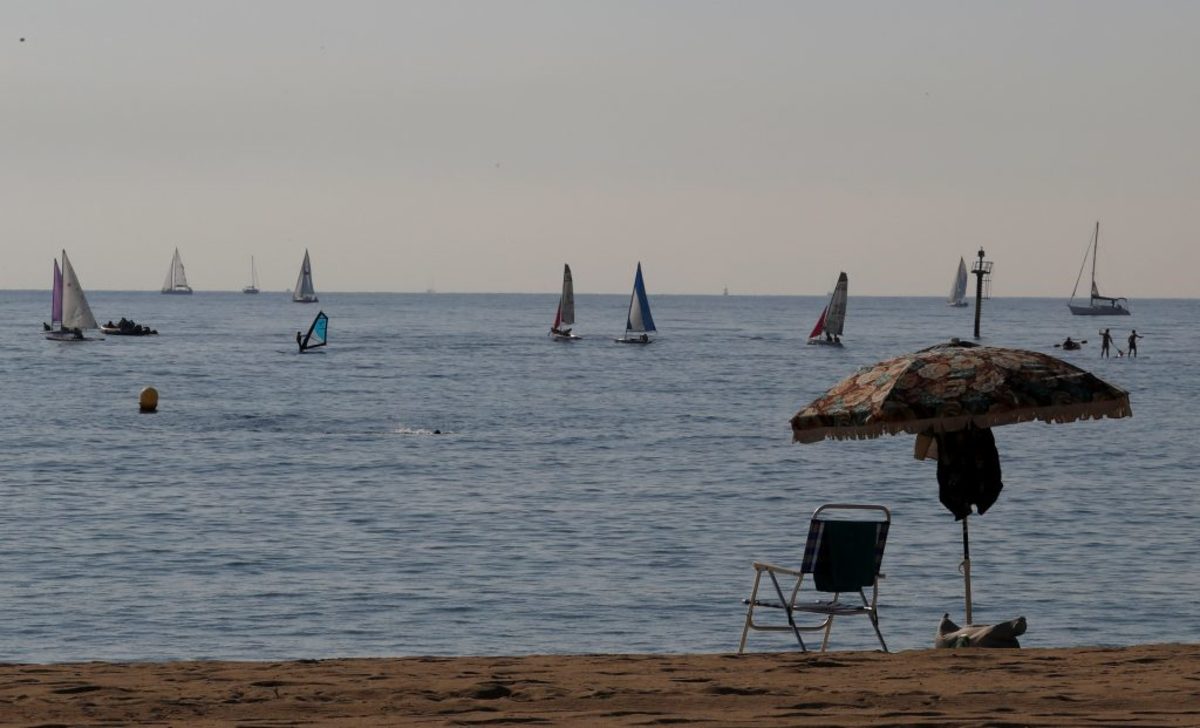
<point x="1153" y="685"/>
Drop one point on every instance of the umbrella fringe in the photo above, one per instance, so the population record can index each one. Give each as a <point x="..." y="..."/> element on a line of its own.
<point x="1063" y="413"/>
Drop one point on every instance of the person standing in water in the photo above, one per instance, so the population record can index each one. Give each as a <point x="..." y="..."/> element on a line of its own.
<point x="1133" y="337"/>
<point x="1105" y="342"/>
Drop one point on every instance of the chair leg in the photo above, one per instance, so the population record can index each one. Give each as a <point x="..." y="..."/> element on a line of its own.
<point x="787" y="606"/>
<point x="749" y="612"/>
<point x="875" y="623"/>
<point x="873" y="615"/>
<point x="828" y="629"/>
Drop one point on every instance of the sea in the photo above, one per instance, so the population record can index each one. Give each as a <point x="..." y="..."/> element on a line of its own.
<point x="444" y="479"/>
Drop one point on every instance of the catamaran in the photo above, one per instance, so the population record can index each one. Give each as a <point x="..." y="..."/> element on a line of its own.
<point x="304" y="292"/>
<point x="176" y="282"/>
<point x="70" y="314"/>
<point x="828" y="330"/>
<point x="639" y="324"/>
<point x="253" y="287"/>
<point x="958" y="289"/>
<point x="564" y="317"/>
<point x="1097" y="305"/>
<point x="316" y="335"/>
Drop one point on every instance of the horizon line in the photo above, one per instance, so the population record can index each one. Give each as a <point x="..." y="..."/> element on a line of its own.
<point x="577" y="294"/>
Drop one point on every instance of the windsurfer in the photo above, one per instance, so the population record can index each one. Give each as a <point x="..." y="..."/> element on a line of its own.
<point x="300" y="340"/>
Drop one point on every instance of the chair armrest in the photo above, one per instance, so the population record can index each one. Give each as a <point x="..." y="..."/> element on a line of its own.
<point x="762" y="566"/>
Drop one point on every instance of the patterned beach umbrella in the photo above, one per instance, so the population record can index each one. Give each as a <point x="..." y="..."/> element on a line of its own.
<point x="945" y="388"/>
<point x="950" y="396"/>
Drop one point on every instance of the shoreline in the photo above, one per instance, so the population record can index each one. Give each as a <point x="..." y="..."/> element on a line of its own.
<point x="1132" y="686"/>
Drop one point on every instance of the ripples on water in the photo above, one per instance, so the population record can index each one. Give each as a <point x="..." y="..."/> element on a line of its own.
<point x="583" y="497"/>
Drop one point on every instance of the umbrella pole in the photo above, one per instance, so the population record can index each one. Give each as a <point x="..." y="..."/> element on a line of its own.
<point x="965" y="568"/>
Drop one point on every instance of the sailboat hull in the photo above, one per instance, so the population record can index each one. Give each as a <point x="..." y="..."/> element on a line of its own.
<point x="824" y="342"/>
<point x="250" y="289"/>
<point x="625" y="340"/>
<point x="178" y="292"/>
<point x="565" y="337"/>
<point x="68" y="336"/>
<point x="1095" y="310"/>
<point x="957" y="304"/>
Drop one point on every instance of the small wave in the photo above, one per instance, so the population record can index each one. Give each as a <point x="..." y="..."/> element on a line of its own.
<point x="404" y="430"/>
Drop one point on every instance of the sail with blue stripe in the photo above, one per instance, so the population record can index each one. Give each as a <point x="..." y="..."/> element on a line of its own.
<point x="316" y="335"/>
<point x="639" y="321"/>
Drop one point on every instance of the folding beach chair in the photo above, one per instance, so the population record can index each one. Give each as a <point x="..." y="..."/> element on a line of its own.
<point x="843" y="554"/>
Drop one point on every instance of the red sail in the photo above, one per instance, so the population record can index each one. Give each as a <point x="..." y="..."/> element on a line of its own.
<point x="820" y="324"/>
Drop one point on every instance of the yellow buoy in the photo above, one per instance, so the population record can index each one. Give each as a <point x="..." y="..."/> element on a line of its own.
<point x="148" y="399"/>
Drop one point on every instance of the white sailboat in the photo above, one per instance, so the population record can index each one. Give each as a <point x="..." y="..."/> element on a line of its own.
<point x="639" y="324"/>
<point x="304" y="291"/>
<point x="564" y="316"/>
<point x="176" y="282"/>
<point x="1097" y="305"/>
<point x="253" y="287"/>
<point x="958" y="289"/>
<point x="70" y="314"/>
<point x="828" y="331"/>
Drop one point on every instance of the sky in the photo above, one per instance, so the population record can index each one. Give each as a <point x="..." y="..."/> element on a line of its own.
<point x="477" y="146"/>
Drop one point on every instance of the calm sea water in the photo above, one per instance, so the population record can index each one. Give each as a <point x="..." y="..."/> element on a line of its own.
<point x="581" y="498"/>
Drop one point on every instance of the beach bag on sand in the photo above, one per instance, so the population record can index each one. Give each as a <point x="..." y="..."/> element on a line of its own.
<point x="1003" y="634"/>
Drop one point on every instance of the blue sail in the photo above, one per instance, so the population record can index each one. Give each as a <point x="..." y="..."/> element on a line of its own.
<point x="639" y="319"/>
<point x="316" y="335"/>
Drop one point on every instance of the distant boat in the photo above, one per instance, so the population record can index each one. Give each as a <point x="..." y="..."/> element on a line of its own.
<point x="70" y="314"/>
<point x="958" y="290"/>
<point x="176" y="282"/>
<point x="253" y="287"/>
<point x="564" y="316"/>
<point x="828" y="330"/>
<point x="1097" y="305"/>
<point x="639" y="321"/>
<point x="316" y="335"/>
<point x="304" y="292"/>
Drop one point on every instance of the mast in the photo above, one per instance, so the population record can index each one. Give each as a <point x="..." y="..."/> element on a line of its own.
<point x="1095" y="251"/>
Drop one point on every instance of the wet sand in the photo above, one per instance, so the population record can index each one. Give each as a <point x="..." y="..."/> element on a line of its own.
<point x="1152" y="685"/>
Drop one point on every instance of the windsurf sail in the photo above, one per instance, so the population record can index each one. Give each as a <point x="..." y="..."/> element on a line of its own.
<point x="316" y="335"/>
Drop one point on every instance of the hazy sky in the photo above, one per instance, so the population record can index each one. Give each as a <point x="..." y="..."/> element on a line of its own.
<point x="477" y="146"/>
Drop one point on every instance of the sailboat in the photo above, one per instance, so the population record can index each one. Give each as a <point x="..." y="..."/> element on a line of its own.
<point x="564" y="317"/>
<point x="958" y="289"/>
<point x="316" y="335"/>
<point x="639" y="321"/>
<point x="176" y="282"/>
<point x="70" y="314"/>
<point x="828" y="330"/>
<point x="304" y="292"/>
<point x="253" y="287"/>
<point x="1097" y="305"/>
